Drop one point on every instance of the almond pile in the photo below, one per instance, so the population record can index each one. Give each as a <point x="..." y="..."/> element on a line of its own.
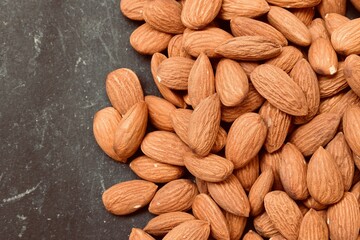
<point x="261" y="105"/>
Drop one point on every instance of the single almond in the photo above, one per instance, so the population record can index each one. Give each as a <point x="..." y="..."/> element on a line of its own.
<point x="272" y="161"/>
<point x="175" y="47"/>
<point x="287" y="59"/>
<point x="305" y="15"/>
<point x="138" y="234"/>
<point x="236" y="225"/>
<point x="331" y="85"/>
<point x="346" y="38"/>
<point x="351" y="126"/>
<point x="132" y="9"/>
<point x="339" y="103"/>
<point x="197" y="14"/>
<point x="191" y="230"/>
<point x="332" y="6"/>
<point x="322" y="57"/>
<point x="251" y="235"/>
<point x="313" y="227"/>
<point x="318" y="29"/>
<point x="294" y="3"/>
<point x="352" y="72"/>
<point x="243" y="8"/>
<point x="264" y="226"/>
<point x="159" y="112"/>
<point x="248" y="174"/>
<point x="127" y="197"/>
<point x="333" y="21"/>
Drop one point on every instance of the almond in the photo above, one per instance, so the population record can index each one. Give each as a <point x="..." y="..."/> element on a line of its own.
<point x="147" y="40"/>
<point x="154" y="171"/>
<point x="191" y="230"/>
<point x="230" y="196"/>
<point x="312" y="203"/>
<point x="211" y="168"/>
<point x="318" y="132"/>
<point x="201" y="82"/>
<point x="332" y="6"/>
<point x="248" y="174"/>
<point x="236" y="225"/>
<point x="322" y="57"/>
<point x="162" y="224"/>
<point x="272" y="161"/>
<point x="264" y="226"/>
<point x="159" y="112"/>
<point x="331" y="85"/>
<point x="324" y="180"/>
<point x="253" y="131"/>
<point x="243" y="26"/>
<point x="261" y="187"/>
<point x="204" y="208"/>
<point x="352" y="73"/>
<point x="346" y="38"/>
<point x="131" y="130"/>
<point x="164" y="147"/>
<point x="204" y="125"/>
<point x="248" y="67"/>
<point x="287" y="59"/>
<point x="123" y="89"/>
<point x="334" y="20"/>
<point x="127" y="197"/>
<point x="279" y="89"/>
<point x="343" y="218"/>
<point x="132" y="9"/>
<point x="284" y="213"/>
<point x="175" y="47"/>
<point x="278" y="237"/>
<point x="243" y="8"/>
<point x="249" y="48"/>
<point x="197" y="14"/>
<point x="318" y="29"/>
<point x="251" y="235"/>
<point x="293" y="169"/>
<point x="339" y="103"/>
<point x="289" y="25"/>
<point x="138" y="234"/>
<point x="278" y="124"/>
<point x="294" y="3"/>
<point x="351" y="126"/>
<point x="232" y="84"/>
<point x="201" y="185"/>
<point x="177" y="195"/>
<point x="356" y="191"/>
<point x="105" y="124"/>
<point x="305" y="15"/>
<point x="313" y="227"/>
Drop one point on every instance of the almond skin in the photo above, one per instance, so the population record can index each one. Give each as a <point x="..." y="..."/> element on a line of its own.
<point x="284" y="213"/>
<point x="312" y="203"/>
<point x="198" y="14"/>
<point x="132" y="9"/>
<point x="264" y="226"/>
<point x="211" y="168"/>
<point x="236" y="225"/>
<point x="279" y="89"/>
<point x="324" y="180"/>
<point x="294" y="3"/>
<point x="352" y="73"/>
<point x="248" y="67"/>
<point x="131" y="130"/>
<point x="253" y="131"/>
<point x="339" y="103"/>
<point x="248" y="174"/>
<point x="272" y="161"/>
<point x="232" y="84"/>
<point x="138" y="234"/>
<point x="105" y="124"/>
<point x="289" y="25"/>
<point x="287" y="59"/>
<point x="345" y="39"/>
<point x="318" y="29"/>
<point x="333" y="21"/>
<point x="127" y="197"/>
<point x="159" y="112"/>
<point x="177" y="195"/>
<point x="175" y="47"/>
<point x="331" y="85"/>
<point x="343" y="218"/>
<point x="305" y="15"/>
<point x="251" y="235"/>
<point x="191" y="230"/>
<point x="351" y="126"/>
<point x="154" y="171"/>
<point x="243" y="8"/>
<point x="123" y="89"/>
<point x="332" y="6"/>
<point x="322" y="57"/>
<point x="313" y="226"/>
<point x="318" y="132"/>
<point x="201" y="185"/>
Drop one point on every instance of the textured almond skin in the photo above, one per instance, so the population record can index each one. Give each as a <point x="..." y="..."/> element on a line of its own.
<point x="345" y="39"/>
<point x="138" y="234"/>
<point x="331" y="85"/>
<point x="264" y="226"/>
<point x="352" y="72"/>
<point x="261" y="187"/>
<point x="313" y="227"/>
<point x="159" y="112"/>
<point x="204" y="208"/>
<point x="252" y="101"/>
<point x="175" y="47"/>
<point x="230" y="196"/>
<point x="248" y="174"/>
<point x="343" y="218"/>
<point x="205" y="40"/>
<point x="162" y="224"/>
<point x="287" y="59"/>
<point x="249" y="48"/>
<point x="132" y="9"/>
<point x="204" y="125"/>
<point x="272" y="161"/>
<point x="312" y="203"/>
<point x="243" y="26"/>
<point x="197" y="14"/>
<point x="253" y="131"/>
<point x="123" y="89"/>
<point x="127" y="197"/>
<point x="339" y="103"/>
<point x="318" y="132"/>
<point x="177" y="195"/>
<point x="356" y="191"/>
<point x="236" y="225"/>
<point x="286" y="23"/>
<point x="201" y="82"/>
<point x="334" y="20"/>
<point x="294" y="3"/>
<point x="324" y="180"/>
<point x="322" y="57"/>
<point x="167" y="93"/>
<point x="332" y="6"/>
<point x="318" y="29"/>
<point x="154" y="171"/>
<point x="131" y="130"/>
<point x="191" y="230"/>
<point x="147" y="40"/>
<point x="201" y="185"/>
<point x="305" y="15"/>
<point x="211" y="168"/>
<point x="104" y="126"/>
<point x="164" y="15"/>
<point x="342" y="155"/>
<point x="278" y="124"/>
<point x="164" y="147"/>
<point x="284" y="213"/>
<point x="305" y="77"/>
<point x="248" y="67"/>
<point x="174" y="72"/>
<point x="251" y="235"/>
<point x="232" y="84"/>
<point x="351" y="126"/>
<point x="243" y="8"/>
<point x="279" y="89"/>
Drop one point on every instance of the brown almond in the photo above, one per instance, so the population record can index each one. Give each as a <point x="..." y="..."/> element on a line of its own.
<point x="318" y="29"/>
<point x="340" y="105"/>
<point x="177" y="195"/>
<point x="236" y="225"/>
<point x="127" y="197"/>
<point x="251" y="235"/>
<point x="294" y="3"/>
<point x="305" y="15"/>
<point x="197" y="14"/>
<point x="332" y="6"/>
<point x="313" y="227"/>
<point x="243" y="8"/>
<point x="123" y="89"/>
<point x="312" y="203"/>
<point x="352" y="72"/>
<point x="272" y="161"/>
<point x="138" y="234"/>
<point x="264" y="226"/>
<point x="351" y="126"/>
<point x="356" y="191"/>
<point x="159" y="112"/>
<point x="248" y="174"/>
<point x="248" y="67"/>
<point x="191" y="230"/>
<point x="201" y="185"/>
<point x="346" y="38"/>
<point x="175" y="47"/>
<point x="322" y="57"/>
<point x="132" y="9"/>
<point x="331" y="85"/>
<point x="334" y="20"/>
<point x="287" y="59"/>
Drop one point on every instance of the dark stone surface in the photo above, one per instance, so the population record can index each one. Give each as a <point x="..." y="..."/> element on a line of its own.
<point x="54" y="57"/>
